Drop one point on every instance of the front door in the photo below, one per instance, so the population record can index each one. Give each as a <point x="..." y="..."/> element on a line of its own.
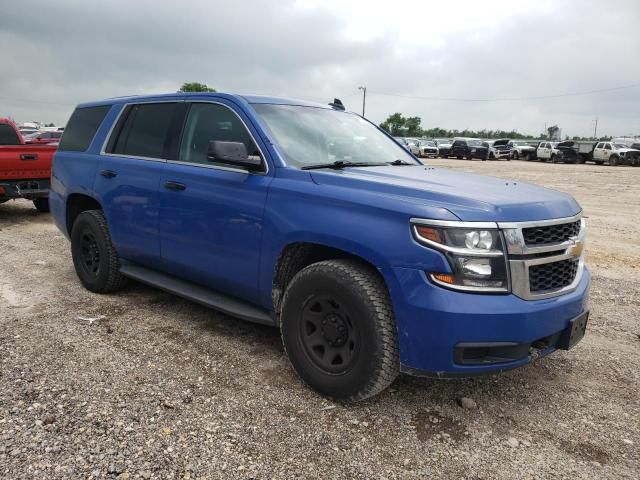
<point x="211" y="215"/>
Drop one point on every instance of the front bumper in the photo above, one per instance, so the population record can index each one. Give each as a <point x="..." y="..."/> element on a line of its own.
<point x="433" y="323"/>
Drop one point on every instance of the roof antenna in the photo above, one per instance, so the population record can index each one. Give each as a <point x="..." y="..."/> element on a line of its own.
<point x="337" y="104"/>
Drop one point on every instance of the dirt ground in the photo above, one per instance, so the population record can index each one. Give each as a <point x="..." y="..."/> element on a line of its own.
<point x="142" y="384"/>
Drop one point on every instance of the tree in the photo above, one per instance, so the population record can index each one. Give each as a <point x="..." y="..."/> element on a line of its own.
<point x="196" y="87"/>
<point x="553" y="131"/>
<point x="400" y="126"/>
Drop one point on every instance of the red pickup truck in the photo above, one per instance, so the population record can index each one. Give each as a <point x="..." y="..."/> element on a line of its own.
<point x="25" y="170"/>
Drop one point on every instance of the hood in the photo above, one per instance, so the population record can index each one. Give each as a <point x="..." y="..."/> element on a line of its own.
<point x="468" y="196"/>
<point x="501" y="143"/>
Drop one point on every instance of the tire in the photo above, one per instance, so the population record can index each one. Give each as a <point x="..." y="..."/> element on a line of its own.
<point x="527" y="157"/>
<point x="41" y="204"/>
<point x="516" y="155"/>
<point x="614" y="160"/>
<point x="347" y="303"/>
<point x="95" y="259"/>
<point x="552" y="159"/>
<point x="459" y="158"/>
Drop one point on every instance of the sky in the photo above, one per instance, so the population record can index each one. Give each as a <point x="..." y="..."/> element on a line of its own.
<point x="456" y="64"/>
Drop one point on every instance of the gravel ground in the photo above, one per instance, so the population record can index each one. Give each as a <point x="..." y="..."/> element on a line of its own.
<point x="142" y="384"/>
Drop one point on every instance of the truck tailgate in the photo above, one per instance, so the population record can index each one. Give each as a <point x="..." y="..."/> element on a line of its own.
<point x="26" y="161"/>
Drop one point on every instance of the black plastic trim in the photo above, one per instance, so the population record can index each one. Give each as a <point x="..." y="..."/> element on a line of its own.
<point x="198" y="294"/>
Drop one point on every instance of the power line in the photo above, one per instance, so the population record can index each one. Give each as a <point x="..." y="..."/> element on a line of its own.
<point x="507" y="99"/>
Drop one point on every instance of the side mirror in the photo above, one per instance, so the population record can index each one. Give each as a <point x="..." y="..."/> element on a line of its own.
<point x="232" y="153"/>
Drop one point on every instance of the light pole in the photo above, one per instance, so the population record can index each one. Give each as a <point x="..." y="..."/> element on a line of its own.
<point x="364" y="97"/>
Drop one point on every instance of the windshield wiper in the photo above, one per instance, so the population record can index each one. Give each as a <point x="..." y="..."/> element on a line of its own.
<point x="399" y="162"/>
<point x="338" y="164"/>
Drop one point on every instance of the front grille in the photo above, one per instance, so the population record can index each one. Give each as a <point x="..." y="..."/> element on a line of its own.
<point x="553" y="276"/>
<point x="551" y="233"/>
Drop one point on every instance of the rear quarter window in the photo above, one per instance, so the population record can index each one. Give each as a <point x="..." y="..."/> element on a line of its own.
<point x="82" y="127"/>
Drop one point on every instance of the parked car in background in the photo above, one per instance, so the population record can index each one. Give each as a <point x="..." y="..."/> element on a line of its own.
<point x="523" y="149"/>
<point x="409" y="144"/>
<point x="500" y="149"/>
<point x="427" y="148"/>
<point x="444" y="146"/>
<point x="368" y="263"/>
<point x="25" y="170"/>
<point x="614" y="154"/>
<point x="547" y="151"/>
<point x="26" y="131"/>
<point x="469" y="148"/>
<point x="43" y="137"/>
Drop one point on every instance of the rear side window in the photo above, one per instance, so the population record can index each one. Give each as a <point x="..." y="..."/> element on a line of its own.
<point x="143" y="131"/>
<point x="8" y="135"/>
<point x="82" y="127"/>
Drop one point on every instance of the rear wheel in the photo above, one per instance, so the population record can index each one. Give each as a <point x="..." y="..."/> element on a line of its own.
<point x="339" y="331"/>
<point x="95" y="259"/>
<point x="41" y="204"/>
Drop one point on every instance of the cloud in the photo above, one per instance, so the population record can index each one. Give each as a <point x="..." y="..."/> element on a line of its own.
<point x="57" y="56"/>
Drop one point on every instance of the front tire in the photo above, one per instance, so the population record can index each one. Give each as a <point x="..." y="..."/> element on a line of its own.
<point x="95" y="259"/>
<point x="613" y="160"/>
<point x="338" y="330"/>
<point x="41" y="204"/>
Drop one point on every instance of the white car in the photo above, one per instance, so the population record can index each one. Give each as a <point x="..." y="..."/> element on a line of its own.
<point x="428" y="148"/>
<point x="611" y="152"/>
<point x="547" y="151"/>
<point x="408" y="143"/>
<point x="521" y="149"/>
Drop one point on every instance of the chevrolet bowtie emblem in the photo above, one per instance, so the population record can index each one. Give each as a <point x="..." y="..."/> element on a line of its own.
<point x="576" y="250"/>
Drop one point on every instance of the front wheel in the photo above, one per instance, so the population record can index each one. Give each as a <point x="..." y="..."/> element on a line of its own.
<point x="95" y="259"/>
<point x="41" y="204"/>
<point x="338" y="329"/>
<point x="613" y="160"/>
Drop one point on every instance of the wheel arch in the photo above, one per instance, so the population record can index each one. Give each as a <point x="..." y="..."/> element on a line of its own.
<point x="297" y="255"/>
<point x="76" y="204"/>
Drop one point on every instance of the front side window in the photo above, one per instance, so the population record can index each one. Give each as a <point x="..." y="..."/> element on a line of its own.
<point x="607" y="146"/>
<point x="144" y="130"/>
<point x="209" y="122"/>
<point x="317" y="136"/>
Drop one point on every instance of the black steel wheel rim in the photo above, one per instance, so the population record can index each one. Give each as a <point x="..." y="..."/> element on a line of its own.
<point x="328" y="334"/>
<point x="90" y="253"/>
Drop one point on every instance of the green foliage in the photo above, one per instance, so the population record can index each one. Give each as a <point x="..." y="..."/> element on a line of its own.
<point x="553" y="131"/>
<point x="196" y="87"/>
<point x="400" y="126"/>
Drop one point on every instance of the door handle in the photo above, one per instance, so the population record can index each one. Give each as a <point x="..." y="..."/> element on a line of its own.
<point x="170" y="185"/>
<point x="108" y="173"/>
<point x="29" y="156"/>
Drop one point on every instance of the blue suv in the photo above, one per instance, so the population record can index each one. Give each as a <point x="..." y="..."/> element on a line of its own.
<point x="312" y="219"/>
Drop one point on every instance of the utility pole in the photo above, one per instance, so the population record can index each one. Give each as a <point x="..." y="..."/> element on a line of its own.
<point x="364" y="98"/>
<point x="595" y="129"/>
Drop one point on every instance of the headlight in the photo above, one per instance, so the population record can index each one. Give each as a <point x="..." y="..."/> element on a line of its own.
<point x="476" y="257"/>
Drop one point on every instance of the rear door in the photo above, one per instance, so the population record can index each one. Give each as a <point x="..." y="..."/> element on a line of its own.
<point x="129" y="176"/>
<point x="211" y="217"/>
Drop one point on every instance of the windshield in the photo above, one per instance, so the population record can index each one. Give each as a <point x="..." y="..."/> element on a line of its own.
<point x="475" y="143"/>
<point x="429" y="144"/>
<point x="618" y="146"/>
<point x="311" y="136"/>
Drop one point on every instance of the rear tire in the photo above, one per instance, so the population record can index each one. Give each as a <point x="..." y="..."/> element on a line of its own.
<point x="338" y="330"/>
<point x="41" y="204"/>
<point x="95" y="259"/>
